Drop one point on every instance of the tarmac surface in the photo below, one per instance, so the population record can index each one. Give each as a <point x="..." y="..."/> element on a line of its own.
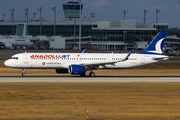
<point x="99" y="78"/>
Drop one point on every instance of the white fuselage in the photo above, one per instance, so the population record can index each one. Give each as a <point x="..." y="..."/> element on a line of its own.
<point x="63" y="60"/>
<point x="16" y="42"/>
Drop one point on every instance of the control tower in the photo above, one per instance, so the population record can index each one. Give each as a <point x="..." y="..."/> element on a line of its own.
<point x="72" y="9"/>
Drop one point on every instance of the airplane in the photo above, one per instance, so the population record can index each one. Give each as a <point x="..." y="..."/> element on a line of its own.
<point x="80" y="63"/>
<point x="8" y="43"/>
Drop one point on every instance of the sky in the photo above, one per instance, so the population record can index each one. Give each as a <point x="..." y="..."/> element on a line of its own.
<point x="103" y="9"/>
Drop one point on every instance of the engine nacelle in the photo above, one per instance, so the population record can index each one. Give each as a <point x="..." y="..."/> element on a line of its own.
<point x="76" y="69"/>
<point x="7" y="45"/>
<point x="62" y="71"/>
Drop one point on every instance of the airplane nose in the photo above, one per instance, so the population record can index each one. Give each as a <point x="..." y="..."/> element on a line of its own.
<point x="7" y="63"/>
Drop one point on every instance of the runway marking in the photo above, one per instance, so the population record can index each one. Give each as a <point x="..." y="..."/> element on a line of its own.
<point x="70" y="79"/>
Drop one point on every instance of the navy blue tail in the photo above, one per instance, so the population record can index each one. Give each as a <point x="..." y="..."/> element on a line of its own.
<point x="156" y="46"/>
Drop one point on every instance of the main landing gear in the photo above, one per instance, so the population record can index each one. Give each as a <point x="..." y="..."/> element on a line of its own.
<point x="24" y="73"/>
<point x="91" y="74"/>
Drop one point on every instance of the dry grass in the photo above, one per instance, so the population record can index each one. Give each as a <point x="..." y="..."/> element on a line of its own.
<point x="105" y="101"/>
<point x="153" y="69"/>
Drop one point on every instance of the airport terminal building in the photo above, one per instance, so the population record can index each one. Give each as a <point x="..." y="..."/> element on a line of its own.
<point x="98" y="34"/>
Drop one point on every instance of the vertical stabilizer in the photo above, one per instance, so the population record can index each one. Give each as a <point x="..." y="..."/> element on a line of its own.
<point x="156" y="46"/>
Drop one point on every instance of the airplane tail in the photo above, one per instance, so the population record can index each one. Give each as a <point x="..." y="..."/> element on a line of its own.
<point x="156" y="46"/>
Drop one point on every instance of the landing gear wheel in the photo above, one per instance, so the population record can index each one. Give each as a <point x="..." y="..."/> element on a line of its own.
<point x="23" y="74"/>
<point x="92" y="74"/>
<point x="82" y="75"/>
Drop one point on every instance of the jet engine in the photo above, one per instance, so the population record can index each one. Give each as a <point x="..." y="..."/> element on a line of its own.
<point x="76" y="70"/>
<point x="62" y="71"/>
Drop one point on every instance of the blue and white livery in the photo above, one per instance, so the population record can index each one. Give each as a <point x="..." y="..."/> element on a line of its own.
<point x="156" y="46"/>
<point x="80" y="63"/>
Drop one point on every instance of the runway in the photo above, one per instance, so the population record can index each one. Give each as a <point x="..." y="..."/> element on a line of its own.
<point x="77" y="79"/>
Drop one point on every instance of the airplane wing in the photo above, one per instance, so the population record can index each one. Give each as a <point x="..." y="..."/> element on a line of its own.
<point x="106" y="63"/>
<point x="95" y="65"/>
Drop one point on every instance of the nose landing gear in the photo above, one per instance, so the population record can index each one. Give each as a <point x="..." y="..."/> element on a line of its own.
<point x="24" y="73"/>
<point x="91" y="74"/>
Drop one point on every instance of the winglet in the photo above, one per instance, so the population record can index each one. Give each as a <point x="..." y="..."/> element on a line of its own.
<point x="84" y="51"/>
<point x="127" y="57"/>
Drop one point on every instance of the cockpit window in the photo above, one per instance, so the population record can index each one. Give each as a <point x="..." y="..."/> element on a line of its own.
<point x="15" y="58"/>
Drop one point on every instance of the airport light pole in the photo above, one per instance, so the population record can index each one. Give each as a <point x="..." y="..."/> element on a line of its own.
<point x="25" y="16"/>
<point x="54" y="9"/>
<point x="4" y="15"/>
<point x="11" y="16"/>
<point x="12" y="10"/>
<point x="157" y="11"/>
<point x="145" y="12"/>
<point x="125" y="12"/>
<point x="34" y="15"/>
<point x="40" y="10"/>
<point x="26" y="10"/>
<point x="80" y="26"/>
<point x="74" y="26"/>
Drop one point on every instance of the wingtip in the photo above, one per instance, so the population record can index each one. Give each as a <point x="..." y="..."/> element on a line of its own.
<point x="84" y="51"/>
<point x="127" y="57"/>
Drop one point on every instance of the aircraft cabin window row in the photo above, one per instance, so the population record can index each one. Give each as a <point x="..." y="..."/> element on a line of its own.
<point x="117" y="59"/>
<point x="68" y="58"/>
<point x="76" y="58"/>
<point x="122" y="59"/>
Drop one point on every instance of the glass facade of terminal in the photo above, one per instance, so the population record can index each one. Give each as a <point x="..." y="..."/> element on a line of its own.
<point x="96" y="34"/>
<point x="161" y="28"/>
<point x="89" y="30"/>
<point x="7" y="29"/>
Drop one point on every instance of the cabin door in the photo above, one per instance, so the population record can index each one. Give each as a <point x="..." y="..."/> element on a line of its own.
<point x="143" y="60"/>
<point x="107" y="58"/>
<point x="25" y="58"/>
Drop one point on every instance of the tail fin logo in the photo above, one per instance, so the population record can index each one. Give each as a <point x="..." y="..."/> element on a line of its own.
<point x="156" y="46"/>
<point x="158" y="49"/>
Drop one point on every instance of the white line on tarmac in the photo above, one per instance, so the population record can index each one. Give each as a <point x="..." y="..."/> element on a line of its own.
<point x="89" y="79"/>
